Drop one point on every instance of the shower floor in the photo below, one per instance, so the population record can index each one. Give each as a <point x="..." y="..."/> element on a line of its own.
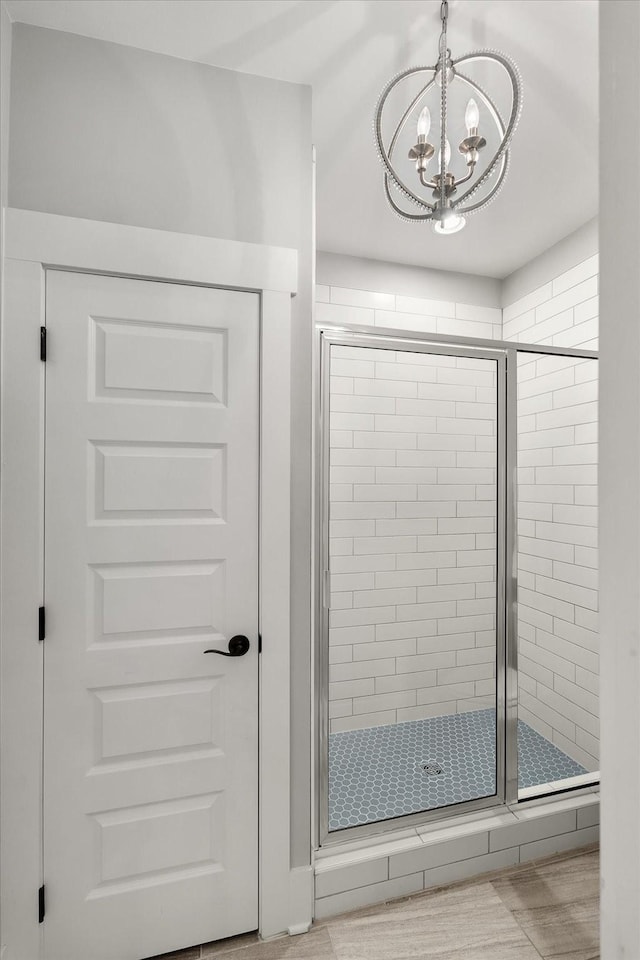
<point x="378" y="773"/>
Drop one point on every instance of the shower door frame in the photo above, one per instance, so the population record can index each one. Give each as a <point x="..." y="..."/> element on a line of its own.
<point x="434" y="346"/>
<point x="505" y="354"/>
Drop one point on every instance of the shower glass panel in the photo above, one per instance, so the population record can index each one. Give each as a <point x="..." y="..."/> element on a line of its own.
<point x="412" y="526"/>
<point x="557" y="594"/>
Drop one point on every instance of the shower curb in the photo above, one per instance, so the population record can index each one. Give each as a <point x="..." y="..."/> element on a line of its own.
<point x="360" y="874"/>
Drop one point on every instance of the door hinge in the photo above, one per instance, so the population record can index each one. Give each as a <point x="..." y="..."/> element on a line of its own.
<point x="43" y="343"/>
<point x="41" y="904"/>
<point x="259" y="643"/>
<point x="41" y="624"/>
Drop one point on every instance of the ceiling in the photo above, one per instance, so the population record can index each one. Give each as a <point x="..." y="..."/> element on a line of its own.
<point x="347" y="50"/>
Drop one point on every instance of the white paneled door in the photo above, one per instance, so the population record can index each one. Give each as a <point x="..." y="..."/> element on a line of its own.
<point x="151" y="559"/>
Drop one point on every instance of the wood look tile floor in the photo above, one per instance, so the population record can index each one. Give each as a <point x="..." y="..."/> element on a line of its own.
<point x="545" y="910"/>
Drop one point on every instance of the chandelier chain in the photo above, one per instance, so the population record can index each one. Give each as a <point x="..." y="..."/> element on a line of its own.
<point x="443" y="62"/>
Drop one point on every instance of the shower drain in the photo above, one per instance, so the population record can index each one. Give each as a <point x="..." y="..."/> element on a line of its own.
<point x="433" y="769"/>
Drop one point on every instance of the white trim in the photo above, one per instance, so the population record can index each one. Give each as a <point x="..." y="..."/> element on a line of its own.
<point x="94" y="245"/>
<point x="33" y="241"/>
<point x="274" y="614"/>
<point x="301" y="899"/>
<point x="20" y="596"/>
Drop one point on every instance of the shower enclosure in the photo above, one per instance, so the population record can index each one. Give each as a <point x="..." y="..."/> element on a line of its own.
<point x="457" y="658"/>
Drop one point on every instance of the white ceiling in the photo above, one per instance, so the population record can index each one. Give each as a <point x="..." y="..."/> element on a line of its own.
<point x="347" y="50"/>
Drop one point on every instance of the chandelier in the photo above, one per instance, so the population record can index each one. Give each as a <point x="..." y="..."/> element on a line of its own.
<point x="449" y="202"/>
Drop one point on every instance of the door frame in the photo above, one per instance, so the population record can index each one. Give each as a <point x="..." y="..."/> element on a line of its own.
<point x="35" y="243"/>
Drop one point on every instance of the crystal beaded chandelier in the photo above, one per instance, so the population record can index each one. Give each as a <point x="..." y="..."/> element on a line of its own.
<point x="449" y="204"/>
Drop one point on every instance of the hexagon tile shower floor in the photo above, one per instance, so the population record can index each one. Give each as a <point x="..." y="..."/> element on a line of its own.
<point x="383" y="772"/>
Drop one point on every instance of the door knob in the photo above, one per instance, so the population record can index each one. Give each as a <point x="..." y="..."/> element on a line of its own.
<point x="238" y="646"/>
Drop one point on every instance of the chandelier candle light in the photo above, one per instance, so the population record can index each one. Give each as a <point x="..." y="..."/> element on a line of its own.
<point x="449" y="205"/>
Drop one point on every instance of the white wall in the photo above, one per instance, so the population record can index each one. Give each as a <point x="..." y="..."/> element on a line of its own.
<point x="115" y="133"/>
<point x="5" y="85"/>
<point x="109" y="132"/>
<point x="620" y="480"/>
<point x="560" y="258"/>
<point x="5" y="71"/>
<point x="6" y="32"/>
<point x="557" y="508"/>
<point x="400" y="279"/>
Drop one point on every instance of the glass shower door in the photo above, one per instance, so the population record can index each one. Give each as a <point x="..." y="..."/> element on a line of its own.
<point x="413" y="440"/>
<point x="557" y="563"/>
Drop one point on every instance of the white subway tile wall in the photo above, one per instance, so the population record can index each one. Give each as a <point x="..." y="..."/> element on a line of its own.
<point x="385" y="310"/>
<point x="557" y="513"/>
<point x="412" y="530"/>
<point x="388" y="449"/>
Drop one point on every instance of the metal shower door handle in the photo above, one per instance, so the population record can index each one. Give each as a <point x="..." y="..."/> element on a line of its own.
<point x="238" y="646"/>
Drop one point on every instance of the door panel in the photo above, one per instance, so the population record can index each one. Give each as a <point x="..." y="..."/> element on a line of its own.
<point x="150" y="751"/>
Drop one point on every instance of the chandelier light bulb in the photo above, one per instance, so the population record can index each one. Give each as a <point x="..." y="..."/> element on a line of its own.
<point x="447" y="155"/>
<point x="472" y="117"/>
<point x="424" y="123"/>
<point x="448" y="225"/>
